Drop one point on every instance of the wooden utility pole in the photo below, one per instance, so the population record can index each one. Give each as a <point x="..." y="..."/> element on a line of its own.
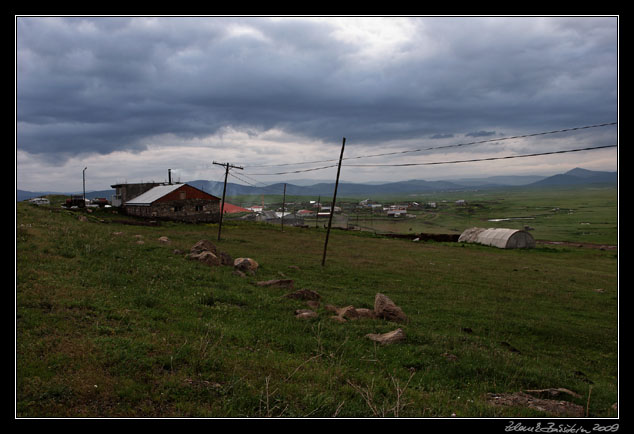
<point x="334" y="201"/>
<point x="224" y="191"/>
<point x="83" y="176"/>
<point x="283" y="206"/>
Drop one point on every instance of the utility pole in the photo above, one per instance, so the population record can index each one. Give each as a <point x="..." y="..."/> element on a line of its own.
<point x="83" y="175"/>
<point x="283" y="206"/>
<point x="334" y="201"/>
<point x="224" y="191"/>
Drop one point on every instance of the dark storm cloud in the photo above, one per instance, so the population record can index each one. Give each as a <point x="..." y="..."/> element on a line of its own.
<point x="104" y="84"/>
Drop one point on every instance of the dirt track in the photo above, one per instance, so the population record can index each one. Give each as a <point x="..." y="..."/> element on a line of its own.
<point x="569" y="244"/>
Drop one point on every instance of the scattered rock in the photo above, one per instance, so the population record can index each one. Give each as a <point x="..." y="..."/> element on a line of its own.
<point x="206" y="257"/>
<point x="246" y="265"/>
<point x="202" y="250"/>
<point x="117" y="233"/>
<point x="387" y="338"/>
<point x="294" y="267"/>
<point x="552" y="392"/>
<point x="225" y="258"/>
<point x="204" y="245"/>
<point x="304" y="294"/>
<point x="305" y="314"/>
<point x="348" y="312"/>
<point x="164" y="240"/>
<point x="521" y="399"/>
<point x="284" y="283"/>
<point x="386" y="309"/>
<point x="365" y="313"/>
<point x="82" y="218"/>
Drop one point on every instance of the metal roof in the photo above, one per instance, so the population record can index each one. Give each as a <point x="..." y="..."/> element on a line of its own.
<point x="152" y="195"/>
<point x="498" y="237"/>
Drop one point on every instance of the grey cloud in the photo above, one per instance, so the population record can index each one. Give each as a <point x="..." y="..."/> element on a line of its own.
<point x="480" y="134"/>
<point x="105" y="84"/>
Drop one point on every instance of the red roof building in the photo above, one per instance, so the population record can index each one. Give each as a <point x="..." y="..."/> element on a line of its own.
<point x="230" y="208"/>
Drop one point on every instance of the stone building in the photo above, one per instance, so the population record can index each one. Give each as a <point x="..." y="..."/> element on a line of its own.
<point x="180" y="202"/>
<point x="126" y="192"/>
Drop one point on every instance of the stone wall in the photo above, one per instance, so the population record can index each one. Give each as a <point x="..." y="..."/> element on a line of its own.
<point x="126" y="192"/>
<point x="189" y="210"/>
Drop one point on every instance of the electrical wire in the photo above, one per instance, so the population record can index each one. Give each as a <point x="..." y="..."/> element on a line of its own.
<point x="243" y="180"/>
<point x="294" y="171"/>
<point x="508" y="157"/>
<point x="500" y="139"/>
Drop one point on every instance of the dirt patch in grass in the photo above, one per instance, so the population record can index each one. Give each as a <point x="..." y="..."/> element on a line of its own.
<point x="521" y="399"/>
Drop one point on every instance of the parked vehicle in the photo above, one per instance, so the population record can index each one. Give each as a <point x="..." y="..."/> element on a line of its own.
<point x="75" y="201"/>
<point x="100" y="201"/>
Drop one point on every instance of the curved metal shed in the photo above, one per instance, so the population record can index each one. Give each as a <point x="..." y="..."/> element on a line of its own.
<point x="502" y="238"/>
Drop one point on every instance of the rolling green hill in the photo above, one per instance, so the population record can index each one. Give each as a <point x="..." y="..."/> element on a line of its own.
<point x="113" y="321"/>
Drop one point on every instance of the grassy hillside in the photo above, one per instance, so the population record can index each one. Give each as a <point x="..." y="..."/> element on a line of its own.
<point x="109" y="326"/>
<point x="586" y="214"/>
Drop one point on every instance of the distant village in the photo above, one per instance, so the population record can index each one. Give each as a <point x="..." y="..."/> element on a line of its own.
<point x="183" y="202"/>
<point x="177" y="201"/>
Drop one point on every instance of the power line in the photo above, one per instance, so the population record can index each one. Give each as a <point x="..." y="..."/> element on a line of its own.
<point x="255" y="180"/>
<point x="508" y="157"/>
<point x="243" y="180"/>
<point x="442" y="162"/>
<point x="487" y="141"/>
<point x="294" y="171"/>
<point x="500" y="139"/>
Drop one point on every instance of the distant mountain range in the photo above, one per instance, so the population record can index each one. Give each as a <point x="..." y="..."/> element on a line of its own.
<point x="573" y="177"/>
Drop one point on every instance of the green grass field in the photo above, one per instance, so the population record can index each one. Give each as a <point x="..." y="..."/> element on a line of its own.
<point x="110" y="327"/>
<point x="564" y="214"/>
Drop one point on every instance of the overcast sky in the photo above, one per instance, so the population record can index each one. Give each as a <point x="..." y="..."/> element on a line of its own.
<point x="131" y="97"/>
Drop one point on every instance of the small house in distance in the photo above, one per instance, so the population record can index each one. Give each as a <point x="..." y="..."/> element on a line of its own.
<point x="180" y="202"/>
<point x="498" y="237"/>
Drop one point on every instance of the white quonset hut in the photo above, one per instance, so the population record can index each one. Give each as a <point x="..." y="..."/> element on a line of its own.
<point x="498" y="237"/>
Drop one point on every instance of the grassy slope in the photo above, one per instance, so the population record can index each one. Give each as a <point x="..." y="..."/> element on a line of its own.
<point x="570" y="214"/>
<point x="109" y="327"/>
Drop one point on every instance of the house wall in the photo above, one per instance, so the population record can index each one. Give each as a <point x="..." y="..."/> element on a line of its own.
<point x="126" y="192"/>
<point x="187" y="210"/>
